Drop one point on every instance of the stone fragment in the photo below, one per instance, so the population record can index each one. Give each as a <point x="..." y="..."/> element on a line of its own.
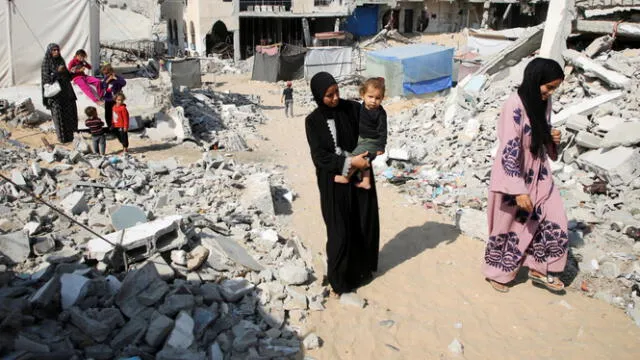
<point x="130" y="334"/>
<point x="175" y="303"/>
<point x="607" y="123"/>
<point x="352" y="299"/>
<point x="619" y="166"/>
<point x="158" y="330"/>
<point x="203" y="317"/>
<point x="257" y="194"/>
<point x="399" y="154"/>
<point x="164" y="166"/>
<point x="588" y="140"/>
<point x="32" y="227"/>
<point x="127" y="216"/>
<point x="47" y="293"/>
<point x="98" y="352"/>
<point x="197" y="257"/>
<point x="270" y="236"/>
<point x="47" y="157"/>
<point x="15" y="246"/>
<point x="74" y="156"/>
<point x="215" y="352"/>
<point x="578" y="122"/>
<point x="43" y="245"/>
<point x="97" y="330"/>
<point x="235" y="289"/>
<point x="73" y="288"/>
<point x="293" y="275"/>
<point x="311" y="341"/>
<point x="246" y="335"/>
<point x="36" y="169"/>
<point x="182" y="335"/>
<point x="18" y="179"/>
<point x="610" y="270"/>
<point x="169" y="353"/>
<point x="75" y="203"/>
<point x="140" y="288"/>
<point x="165" y="271"/>
<point x="585" y="107"/>
<point x="296" y="300"/>
<point x="273" y="316"/>
<point x="179" y="257"/>
<point x="472" y="223"/>
<point x="227" y="248"/>
<point x="625" y="134"/>
<point x="211" y="292"/>
<point x="456" y="347"/>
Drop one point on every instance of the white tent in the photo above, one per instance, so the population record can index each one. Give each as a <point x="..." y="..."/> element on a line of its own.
<point x="32" y="24"/>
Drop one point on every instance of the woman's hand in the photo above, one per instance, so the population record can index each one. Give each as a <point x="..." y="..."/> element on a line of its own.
<point x="524" y="202"/>
<point x="556" y="136"/>
<point x="359" y="161"/>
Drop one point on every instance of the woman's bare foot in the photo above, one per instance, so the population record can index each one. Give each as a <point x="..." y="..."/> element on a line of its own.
<point x="341" y="179"/>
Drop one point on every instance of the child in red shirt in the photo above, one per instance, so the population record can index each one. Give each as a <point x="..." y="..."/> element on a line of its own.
<point x="121" y="120"/>
<point x="77" y="68"/>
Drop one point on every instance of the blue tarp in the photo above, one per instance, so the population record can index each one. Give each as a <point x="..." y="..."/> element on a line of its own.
<point x="413" y="69"/>
<point x="363" y="21"/>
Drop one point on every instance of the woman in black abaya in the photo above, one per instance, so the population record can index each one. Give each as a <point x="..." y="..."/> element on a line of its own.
<point x="350" y="213"/>
<point x="63" y="105"/>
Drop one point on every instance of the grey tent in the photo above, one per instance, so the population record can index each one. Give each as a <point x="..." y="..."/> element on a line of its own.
<point x="273" y="66"/>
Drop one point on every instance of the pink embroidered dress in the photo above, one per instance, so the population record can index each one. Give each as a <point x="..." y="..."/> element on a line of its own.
<point x="537" y="240"/>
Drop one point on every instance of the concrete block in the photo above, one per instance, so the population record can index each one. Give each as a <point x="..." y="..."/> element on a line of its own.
<point x="607" y="123"/>
<point x="16" y="177"/>
<point x="75" y="203"/>
<point x="625" y="134"/>
<point x="578" y="122"/>
<point x="158" y="330"/>
<point x="257" y="194"/>
<point x="399" y="154"/>
<point x="588" y="140"/>
<point x="15" y="246"/>
<point x="619" y="166"/>
<point x="182" y="335"/>
<point x="73" y="288"/>
<point x="585" y="107"/>
<point x="126" y="216"/>
<point x="235" y="289"/>
<point x="612" y="78"/>
<point x="221" y="249"/>
<point x="142" y="240"/>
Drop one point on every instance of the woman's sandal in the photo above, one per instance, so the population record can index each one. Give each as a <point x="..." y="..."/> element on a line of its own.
<point x="498" y="286"/>
<point x="551" y="283"/>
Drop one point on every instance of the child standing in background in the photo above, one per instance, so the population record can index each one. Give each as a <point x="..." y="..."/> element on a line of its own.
<point x="77" y="68"/>
<point x="121" y="122"/>
<point x="97" y="130"/>
<point x="373" y="128"/>
<point x="287" y="98"/>
<point x="111" y="85"/>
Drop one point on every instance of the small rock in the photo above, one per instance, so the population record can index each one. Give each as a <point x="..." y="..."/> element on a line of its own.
<point x="293" y="275"/>
<point x="352" y="299"/>
<point x="197" y="257"/>
<point x="610" y="270"/>
<point x="456" y="347"/>
<point x="311" y="341"/>
<point x="179" y="257"/>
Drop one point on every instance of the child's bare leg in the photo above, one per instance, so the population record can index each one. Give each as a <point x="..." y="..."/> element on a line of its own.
<point x="366" y="180"/>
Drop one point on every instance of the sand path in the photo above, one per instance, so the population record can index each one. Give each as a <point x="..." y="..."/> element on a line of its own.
<point x="429" y="282"/>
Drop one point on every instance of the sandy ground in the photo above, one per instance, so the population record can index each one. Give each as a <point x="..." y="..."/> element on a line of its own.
<point x="429" y="282"/>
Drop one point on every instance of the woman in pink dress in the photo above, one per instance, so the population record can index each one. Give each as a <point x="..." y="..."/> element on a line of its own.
<point x="527" y="221"/>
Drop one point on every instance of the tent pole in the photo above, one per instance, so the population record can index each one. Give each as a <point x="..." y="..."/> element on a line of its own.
<point x="13" y="74"/>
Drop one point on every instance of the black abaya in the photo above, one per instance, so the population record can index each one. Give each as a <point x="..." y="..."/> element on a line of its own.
<point x="350" y="213"/>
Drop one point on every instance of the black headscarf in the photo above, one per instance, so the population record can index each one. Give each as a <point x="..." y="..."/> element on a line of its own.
<point x="537" y="73"/>
<point x="320" y="82"/>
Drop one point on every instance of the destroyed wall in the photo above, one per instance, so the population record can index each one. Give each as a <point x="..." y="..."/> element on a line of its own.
<point x="446" y="17"/>
<point x="147" y="8"/>
<point x="204" y="14"/>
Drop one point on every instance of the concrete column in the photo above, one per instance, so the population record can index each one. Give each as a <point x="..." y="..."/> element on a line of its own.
<point x="401" y="20"/>
<point x="236" y="45"/>
<point x="485" y="14"/>
<point x="557" y="28"/>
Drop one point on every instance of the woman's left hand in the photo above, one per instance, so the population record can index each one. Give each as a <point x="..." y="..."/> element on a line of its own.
<point x="556" y="136"/>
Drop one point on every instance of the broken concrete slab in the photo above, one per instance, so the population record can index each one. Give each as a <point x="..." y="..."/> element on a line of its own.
<point x="607" y="123"/>
<point x="622" y="29"/>
<point x="73" y="288"/>
<point x="158" y="330"/>
<point x="625" y="134"/>
<point x="578" y="122"/>
<point x="585" y="107"/>
<point x="142" y="240"/>
<point x="182" y="335"/>
<point x="15" y="246"/>
<point x="17" y="178"/>
<point x="293" y="275"/>
<point x="75" y="203"/>
<point x="127" y="216"/>
<point x="228" y="248"/>
<point x="588" y="140"/>
<point x="257" y="194"/>
<point x="235" y="289"/>
<point x="612" y="78"/>
<point x="619" y="166"/>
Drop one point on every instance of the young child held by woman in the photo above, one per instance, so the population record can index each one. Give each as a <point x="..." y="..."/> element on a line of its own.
<point x="89" y="85"/>
<point x="372" y="137"/>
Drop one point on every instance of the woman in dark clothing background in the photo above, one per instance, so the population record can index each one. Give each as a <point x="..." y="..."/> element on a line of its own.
<point x="350" y="214"/>
<point x="63" y="106"/>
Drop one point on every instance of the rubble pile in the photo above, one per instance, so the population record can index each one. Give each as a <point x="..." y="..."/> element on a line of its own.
<point x="21" y="112"/>
<point x="216" y="64"/>
<point x="205" y="274"/>
<point x="215" y="119"/>
<point x="441" y="154"/>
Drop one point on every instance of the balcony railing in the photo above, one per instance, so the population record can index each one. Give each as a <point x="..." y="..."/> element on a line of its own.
<point x="265" y="5"/>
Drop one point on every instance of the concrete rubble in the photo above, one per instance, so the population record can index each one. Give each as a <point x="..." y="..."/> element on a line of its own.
<point x="210" y="273"/>
<point x="440" y="154"/>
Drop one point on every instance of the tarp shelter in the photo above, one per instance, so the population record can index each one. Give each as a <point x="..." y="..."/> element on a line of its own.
<point x="29" y="26"/>
<point x="185" y="72"/>
<point x="278" y="63"/>
<point x="363" y="21"/>
<point x="336" y="61"/>
<point x="413" y="69"/>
